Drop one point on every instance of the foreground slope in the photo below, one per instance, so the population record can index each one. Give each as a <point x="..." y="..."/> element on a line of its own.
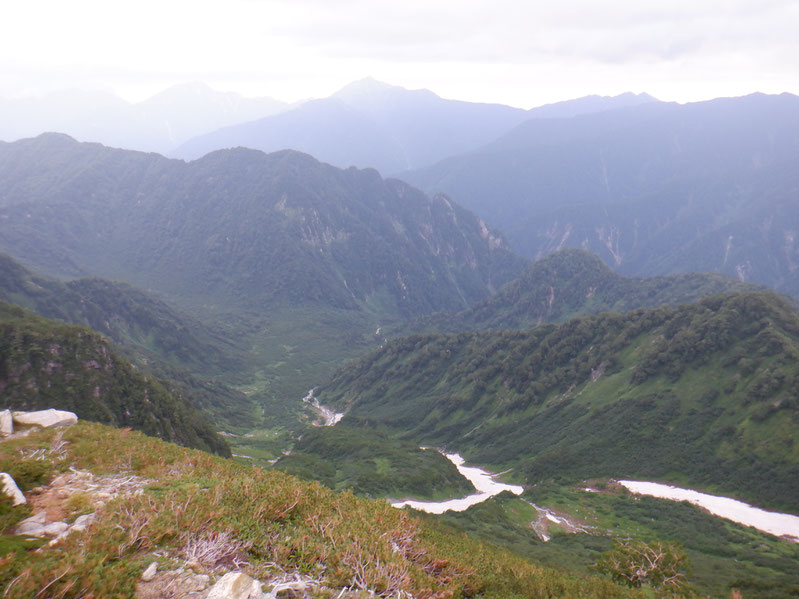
<point x="241" y="227"/>
<point x="653" y="189"/>
<point x="45" y="364"/>
<point x="704" y="394"/>
<point x="208" y="515"/>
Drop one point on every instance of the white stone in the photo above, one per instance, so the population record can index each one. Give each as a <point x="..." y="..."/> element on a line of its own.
<point x="297" y="585"/>
<point x="38" y="518"/>
<point x="11" y="489"/>
<point x="235" y="585"/>
<point x="83" y="520"/>
<point x="46" y="418"/>
<point x="31" y="529"/>
<point x="6" y="423"/>
<point x="149" y="572"/>
<point x="55" y="528"/>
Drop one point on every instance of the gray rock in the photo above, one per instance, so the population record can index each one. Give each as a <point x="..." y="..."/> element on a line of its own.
<point x="11" y="489"/>
<point x="38" y="518"/>
<point x="287" y="590"/>
<point x="6" y="423"/>
<point x="149" y="572"/>
<point x="81" y="522"/>
<point x="55" y="529"/>
<point x="32" y="529"/>
<point x="46" y="418"/>
<point x="235" y="585"/>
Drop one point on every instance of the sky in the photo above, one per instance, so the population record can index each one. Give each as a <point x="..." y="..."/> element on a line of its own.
<point x="519" y="52"/>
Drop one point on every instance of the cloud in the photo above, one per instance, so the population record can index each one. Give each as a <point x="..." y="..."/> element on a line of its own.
<point x="299" y="48"/>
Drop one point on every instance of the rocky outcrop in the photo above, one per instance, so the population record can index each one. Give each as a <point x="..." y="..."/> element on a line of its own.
<point x="184" y="582"/>
<point x="11" y="489"/>
<point x="46" y="418"/>
<point x="236" y="585"/>
<point x="51" y="516"/>
<point x="6" y="423"/>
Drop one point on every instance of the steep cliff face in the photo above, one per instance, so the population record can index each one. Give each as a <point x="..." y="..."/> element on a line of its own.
<point x="44" y="364"/>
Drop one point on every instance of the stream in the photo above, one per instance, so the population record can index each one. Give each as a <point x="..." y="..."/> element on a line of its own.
<point x="775" y="523"/>
<point x="329" y="417"/>
<point x="483" y="482"/>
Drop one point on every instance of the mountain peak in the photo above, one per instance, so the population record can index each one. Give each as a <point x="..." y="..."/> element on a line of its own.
<point x="369" y="93"/>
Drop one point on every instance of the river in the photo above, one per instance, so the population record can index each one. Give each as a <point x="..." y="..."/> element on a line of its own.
<point x="775" y="523"/>
<point x="482" y="480"/>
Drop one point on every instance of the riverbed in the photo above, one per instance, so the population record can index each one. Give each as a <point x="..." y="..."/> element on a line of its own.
<point x="328" y="416"/>
<point x="482" y="480"/>
<point x="775" y="523"/>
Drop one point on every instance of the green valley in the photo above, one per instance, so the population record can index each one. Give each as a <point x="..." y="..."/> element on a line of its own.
<point x="702" y="394"/>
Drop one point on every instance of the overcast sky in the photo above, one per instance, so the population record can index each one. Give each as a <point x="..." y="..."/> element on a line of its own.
<point x="519" y="52"/>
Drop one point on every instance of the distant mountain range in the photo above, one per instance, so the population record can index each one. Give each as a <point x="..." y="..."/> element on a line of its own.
<point x="157" y="124"/>
<point x="653" y="189"/>
<point x="373" y="124"/>
<point x="244" y="227"/>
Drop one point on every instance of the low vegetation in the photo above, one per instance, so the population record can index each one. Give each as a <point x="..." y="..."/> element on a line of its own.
<point x="372" y="463"/>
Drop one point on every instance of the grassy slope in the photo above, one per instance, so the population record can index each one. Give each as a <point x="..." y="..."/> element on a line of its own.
<point x="283" y="523"/>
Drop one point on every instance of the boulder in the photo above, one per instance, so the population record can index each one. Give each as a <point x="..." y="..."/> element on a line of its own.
<point x="149" y="572"/>
<point x="6" y="423"/>
<point x="235" y="585"/>
<point x="54" y="529"/>
<point x="46" y="418"/>
<point x="11" y="489"/>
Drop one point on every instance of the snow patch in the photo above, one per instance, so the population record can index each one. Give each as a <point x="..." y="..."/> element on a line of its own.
<point x="482" y="480"/>
<point x="775" y="523"/>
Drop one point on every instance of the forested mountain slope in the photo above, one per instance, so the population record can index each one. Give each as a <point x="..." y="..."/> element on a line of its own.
<point x="704" y="394"/>
<point x="244" y="227"/>
<point x="572" y="283"/>
<point x="45" y="364"/>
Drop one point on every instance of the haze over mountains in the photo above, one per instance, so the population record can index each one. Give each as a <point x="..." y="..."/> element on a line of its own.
<point x="157" y="124"/>
<point x="370" y="123"/>
<point x="653" y="189"/>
